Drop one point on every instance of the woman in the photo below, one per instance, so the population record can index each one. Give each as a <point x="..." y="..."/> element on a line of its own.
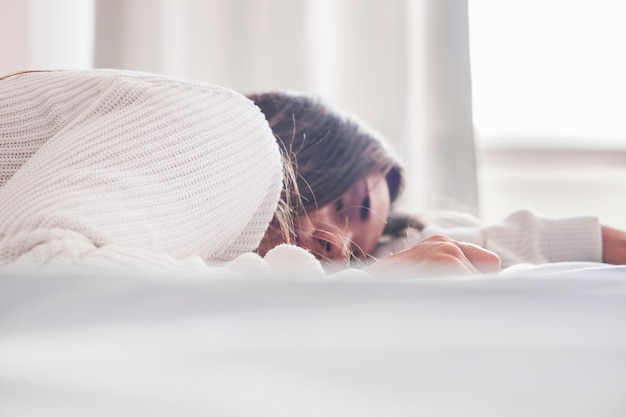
<point x="349" y="179"/>
<point x="344" y="172"/>
<point x="118" y="168"/>
<point x="114" y="168"/>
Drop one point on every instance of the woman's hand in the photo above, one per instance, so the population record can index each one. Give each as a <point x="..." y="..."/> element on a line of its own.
<point x="438" y="255"/>
<point x="613" y="246"/>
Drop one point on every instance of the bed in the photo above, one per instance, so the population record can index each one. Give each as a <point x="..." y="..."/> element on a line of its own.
<point x="102" y="341"/>
<point x="514" y="344"/>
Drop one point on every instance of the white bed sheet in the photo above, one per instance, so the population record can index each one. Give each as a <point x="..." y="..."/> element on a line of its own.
<point x="517" y="345"/>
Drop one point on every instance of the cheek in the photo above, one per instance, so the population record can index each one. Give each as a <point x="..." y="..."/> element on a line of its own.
<point x="272" y="238"/>
<point x="376" y="230"/>
<point x="380" y="205"/>
<point x="305" y="224"/>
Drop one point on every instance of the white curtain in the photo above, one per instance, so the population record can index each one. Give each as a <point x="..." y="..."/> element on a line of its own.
<point x="400" y="65"/>
<point x="40" y="34"/>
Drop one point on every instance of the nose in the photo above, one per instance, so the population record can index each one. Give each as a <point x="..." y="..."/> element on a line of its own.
<point x="331" y="245"/>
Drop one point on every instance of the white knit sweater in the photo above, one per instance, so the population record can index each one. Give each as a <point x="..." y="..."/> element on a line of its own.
<point x="107" y="162"/>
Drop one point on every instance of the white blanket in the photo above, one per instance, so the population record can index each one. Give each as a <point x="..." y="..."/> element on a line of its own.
<point x="510" y="345"/>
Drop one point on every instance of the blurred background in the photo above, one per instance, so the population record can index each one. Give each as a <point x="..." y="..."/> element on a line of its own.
<point x="493" y="105"/>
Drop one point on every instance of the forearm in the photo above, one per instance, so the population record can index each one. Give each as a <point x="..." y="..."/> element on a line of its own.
<point x="613" y="246"/>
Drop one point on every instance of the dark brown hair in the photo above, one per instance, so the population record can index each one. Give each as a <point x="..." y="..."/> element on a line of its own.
<point x="330" y="151"/>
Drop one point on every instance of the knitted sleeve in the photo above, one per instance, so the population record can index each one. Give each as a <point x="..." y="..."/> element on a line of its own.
<point x="92" y="159"/>
<point x="524" y="237"/>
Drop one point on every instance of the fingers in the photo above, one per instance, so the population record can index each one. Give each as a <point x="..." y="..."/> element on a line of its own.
<point x="482" y="259"/>
<point x="439" y="255"/>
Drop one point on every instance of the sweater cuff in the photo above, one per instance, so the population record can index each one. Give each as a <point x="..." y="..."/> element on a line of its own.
<point x="535" y="239"/>
<point x="572" y="239"/>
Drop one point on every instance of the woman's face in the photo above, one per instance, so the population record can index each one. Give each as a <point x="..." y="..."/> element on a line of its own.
<point x="351" y="225"/>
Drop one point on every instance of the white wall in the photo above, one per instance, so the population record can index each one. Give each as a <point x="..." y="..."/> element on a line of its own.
<point x="548" y="92"/>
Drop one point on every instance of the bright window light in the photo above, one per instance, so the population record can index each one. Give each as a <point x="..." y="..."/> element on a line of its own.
<point x="549" y="70"/>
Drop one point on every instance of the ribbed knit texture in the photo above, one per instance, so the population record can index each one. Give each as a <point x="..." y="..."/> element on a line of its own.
<point x="134" y="160"/>
<point x="524" y="237"/>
